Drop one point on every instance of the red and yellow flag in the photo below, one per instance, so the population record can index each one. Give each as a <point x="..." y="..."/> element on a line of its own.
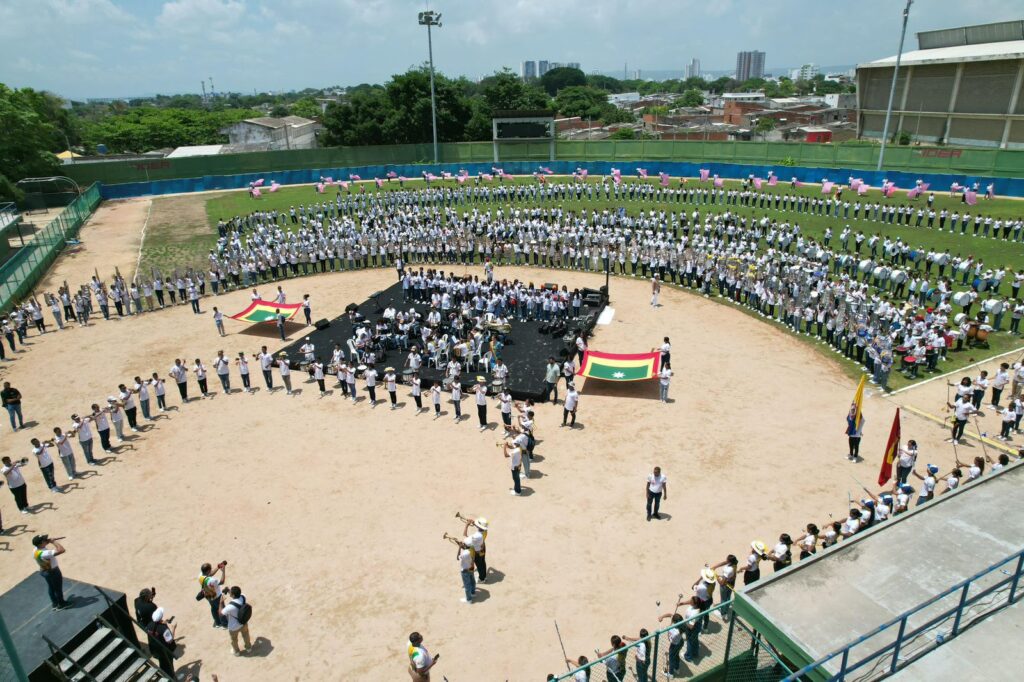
<point x="892" y="449"/>
<point x="266" y="311"/>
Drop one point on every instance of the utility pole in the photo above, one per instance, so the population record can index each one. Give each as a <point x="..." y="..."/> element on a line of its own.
<point x="428" y="19"/>
<point x="892" y="90"/>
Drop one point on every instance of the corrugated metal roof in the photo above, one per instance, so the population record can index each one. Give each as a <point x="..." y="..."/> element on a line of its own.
<point x="195" y="150"/>
<point x="1011" y="49"/>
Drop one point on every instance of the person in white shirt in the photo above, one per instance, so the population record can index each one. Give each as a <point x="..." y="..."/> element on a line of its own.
<point x="999" y="382"/>
<point x="572" y="401"/>
<point x="480" y="394"/>
<point x="218" y="320"/>
<point x="655" y="291"/>
<point x="266" y="361"/>
<point x="435" y="397"/>
<point x="505" y="407"/>
<point x="656" y="488"/>
<point x="222" y="366"/>
<point x="664" y="379"/>
<point x="46" y="560"/>
<point x="370" y="376"/>
<point x="141" y="389"/>
<point x="927" y="484"/>
<point x="11" y="472"/>
<point x="391" y="384"/>
<point x="420" y="660"/>
<point x="285" y="370"/>
<point x="905" y="461"/>
<point x="200" y="371"/>
<point x="515" y="461"/>
<point x="180" y="376"/>
<point x="416" y="385"/>
<point x="962" y="411"/>
<point x="457" y="400"/>
<point x="243" y="371"/>
<point x="464" y="557"/>
<point x="45" y="461"/>
<point x="66" y="452"/>
<point x="232" y="602"/>
<point x="316" y="368"/>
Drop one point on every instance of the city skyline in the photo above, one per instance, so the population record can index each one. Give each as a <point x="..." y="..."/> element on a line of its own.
<point x="122" y="48"/>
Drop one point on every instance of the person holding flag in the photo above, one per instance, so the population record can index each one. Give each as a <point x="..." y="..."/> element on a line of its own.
<point x="855" y="421"/>
<point x="892" y="451"/>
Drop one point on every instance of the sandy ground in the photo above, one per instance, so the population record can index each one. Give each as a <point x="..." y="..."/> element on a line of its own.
<point x="110" y="239"/>
<point x="331" y="514"/>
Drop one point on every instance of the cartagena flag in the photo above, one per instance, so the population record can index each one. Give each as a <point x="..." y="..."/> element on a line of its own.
<point x="619" y="366"/>
<point x="855" y="418"/>
<point x="892" y="449"/>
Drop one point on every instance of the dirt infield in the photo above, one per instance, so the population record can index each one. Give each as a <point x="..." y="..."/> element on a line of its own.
<point x="110" y="239"/>
<point x="331" y="514"/>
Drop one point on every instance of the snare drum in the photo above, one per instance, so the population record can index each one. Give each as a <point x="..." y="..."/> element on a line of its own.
<point x="407" y="375"/>
<point x="901" y="351"/>
<point x="908" y="361"/>
<point x="360" y="370"/>
<point x="496" y="386"/>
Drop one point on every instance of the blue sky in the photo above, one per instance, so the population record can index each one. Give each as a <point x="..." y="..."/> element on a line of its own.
<point x="110" y="48"/>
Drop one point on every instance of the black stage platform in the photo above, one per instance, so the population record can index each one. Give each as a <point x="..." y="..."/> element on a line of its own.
<point x="526" y="351"/>
<point x="27" y="614"/>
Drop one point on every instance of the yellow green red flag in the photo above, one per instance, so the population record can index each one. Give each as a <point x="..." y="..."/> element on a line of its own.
<point x="619" y="366"/>
<point x="266" y="311"/>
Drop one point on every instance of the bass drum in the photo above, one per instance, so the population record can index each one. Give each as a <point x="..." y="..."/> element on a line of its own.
<point x="880" y="273"/>
<point x="993" y="306"/>
<point x="961" y="298"/>
<point x="898" y="276"/>
<point x="959" y="319"/>
<point x="865" y="265"/>
<point x="980" y="284"/>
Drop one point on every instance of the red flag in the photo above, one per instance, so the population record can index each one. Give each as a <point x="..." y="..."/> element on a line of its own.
<point x="892" y="449"/>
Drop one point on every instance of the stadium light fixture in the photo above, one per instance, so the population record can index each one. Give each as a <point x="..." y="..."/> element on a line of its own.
<point x="892" y="89"/>
<point x="428" y="19"/>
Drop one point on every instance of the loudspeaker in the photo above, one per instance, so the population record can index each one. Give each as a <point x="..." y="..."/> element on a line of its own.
<point x="322" y="323"/>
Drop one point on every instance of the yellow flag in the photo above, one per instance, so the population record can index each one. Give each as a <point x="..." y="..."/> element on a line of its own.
<point x="858" y="401"/>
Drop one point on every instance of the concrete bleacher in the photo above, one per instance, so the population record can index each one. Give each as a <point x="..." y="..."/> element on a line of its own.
<point x="826" y="603"/>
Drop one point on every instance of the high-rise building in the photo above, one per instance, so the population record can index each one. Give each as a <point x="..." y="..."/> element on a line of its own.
<point x="693" y="68"/>
<point x="542" y="67"/>
<point x="528" y="70"/>
<point x="749" y="65"/>
<point x="573" y="65"/>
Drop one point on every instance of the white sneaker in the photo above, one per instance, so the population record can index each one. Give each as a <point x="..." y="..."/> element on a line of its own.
<point x="71" y="478"/>
<point x="135" y="430"/>
<point x="466" y="601"/>
<point x="483" y="428"/>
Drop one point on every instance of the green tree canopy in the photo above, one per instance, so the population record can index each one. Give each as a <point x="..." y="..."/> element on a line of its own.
<point x="142" y="129"/>
<point x="28" y="139"/>
<point x="561" y="77"/>
<point x="692" y="98"/>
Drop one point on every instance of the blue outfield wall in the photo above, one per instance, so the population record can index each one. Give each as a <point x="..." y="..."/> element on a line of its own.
<point x="1013" y="187"/>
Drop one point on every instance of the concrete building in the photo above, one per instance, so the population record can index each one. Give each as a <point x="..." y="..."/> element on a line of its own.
<point x="804" y="73"/>
<point x="749" y="65"/>
<point x="962" y="86"/>
<point x="542" y="67"/>
<point x="692" y="69"/>
<point x="528" y="70"/>
<point x="623" y="100"/>
<point x="290" y="132"/>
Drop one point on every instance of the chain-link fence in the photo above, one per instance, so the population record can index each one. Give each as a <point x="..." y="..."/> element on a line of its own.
<point x="714" y="643"/>
<point x="23" y="269"/>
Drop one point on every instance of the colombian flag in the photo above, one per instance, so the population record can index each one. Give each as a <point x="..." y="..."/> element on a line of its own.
<point x="619" y="367"/>
<point x="892" y="448"/>
<point x="856" y="416"/>
<point x="265" y="311"/>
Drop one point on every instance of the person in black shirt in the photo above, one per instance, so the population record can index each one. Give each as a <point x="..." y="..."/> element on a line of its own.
<point x="12" y="401"/>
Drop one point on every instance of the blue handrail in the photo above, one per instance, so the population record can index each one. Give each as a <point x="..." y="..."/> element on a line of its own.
<point x="1013" y="580"/>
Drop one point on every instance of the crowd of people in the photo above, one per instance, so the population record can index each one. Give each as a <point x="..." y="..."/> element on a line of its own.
<point x="874" y="301"/>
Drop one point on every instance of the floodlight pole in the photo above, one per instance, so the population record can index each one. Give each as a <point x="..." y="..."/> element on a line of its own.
<point x="892" y="89"/>
<point x="429" y="19"/>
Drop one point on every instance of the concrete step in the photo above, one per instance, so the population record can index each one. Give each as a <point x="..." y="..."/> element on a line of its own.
<point x="88" y="649"/>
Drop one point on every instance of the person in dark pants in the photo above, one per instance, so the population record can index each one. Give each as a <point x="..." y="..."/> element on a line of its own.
<point x="266" y="363"/>
<point x="16" y="482"/>
<point x="211" y="590"/>
<point x="854" y="431"/>
<point x="162" y="645"/>
<point x="515" y="460"/>
<point x="45" y="555"/>
<point x="675" y="642"/>
<point x="145" y="608"/>
<point x="656" y="487"/>
<point x="480" y="393"/>
<point x="279" y="318"/>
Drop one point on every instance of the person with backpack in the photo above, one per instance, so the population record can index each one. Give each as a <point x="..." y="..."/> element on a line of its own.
<point x="210" y="589"/>
<point x="237" y="612"/>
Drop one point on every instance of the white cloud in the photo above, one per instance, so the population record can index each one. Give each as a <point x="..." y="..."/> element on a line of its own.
<point x="192" y="16"/>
